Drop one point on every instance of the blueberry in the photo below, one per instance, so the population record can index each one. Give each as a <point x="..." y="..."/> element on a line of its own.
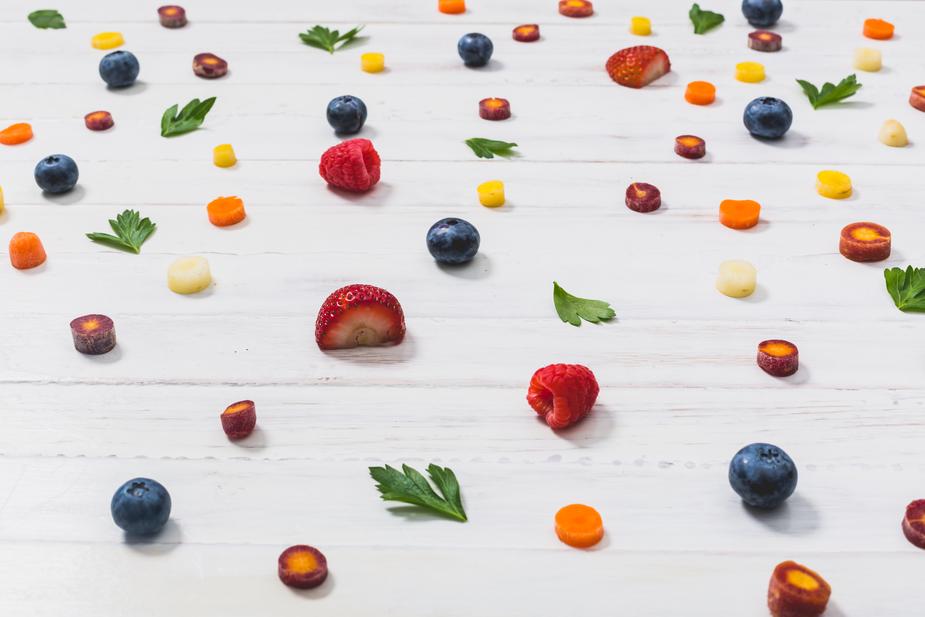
<point x="119" y="69"/>
<point x="767" y="117"/>
<point x="762" y="13"/>
<point x="453" y="241"/>
<point x="346" y="114"/>
<point x="763" y="475"/>
<point x="141" y="506"/>
<point x="56" y="173"/>
<point x="475" y="49"/>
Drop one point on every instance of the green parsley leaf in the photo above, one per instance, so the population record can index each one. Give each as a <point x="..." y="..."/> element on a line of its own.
<point x="412" y="487"/>
<point x="131" y="232"/>
<point x="47" y="18"/>
<point x="906" y="287"/>
<point x="830" y="93"/>
<point x="189" y="119"/>
<point x="572" y="309"/>
<point x="488" y="148"/>
<point x="328" y="40"/>
<point x="704" y="20"/>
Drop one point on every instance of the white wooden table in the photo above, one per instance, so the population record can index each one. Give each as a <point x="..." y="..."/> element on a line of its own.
<point x="680" y="389"/>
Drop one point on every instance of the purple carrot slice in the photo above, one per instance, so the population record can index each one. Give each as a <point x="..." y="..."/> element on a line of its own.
<point x="172" y="16"/>
<point x="778" y="357"/>
<point x="643" y="197"/>
<point x="762" y="40"/>
<point x="93" y="334"/>
<point x="209" y="66"/>
<point x="239" y="419"/>
<point x="302" y="567"/>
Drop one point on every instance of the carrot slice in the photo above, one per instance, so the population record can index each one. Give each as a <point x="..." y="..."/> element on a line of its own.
<point x="739" y="213"/>
<point x="26" y="250"/>
<point x="878" y="29"/>
<point x="16" y="134"/>
<point x="700" y="93"/>
<point x="579" y="525"/>
<point x="226" y="211"/>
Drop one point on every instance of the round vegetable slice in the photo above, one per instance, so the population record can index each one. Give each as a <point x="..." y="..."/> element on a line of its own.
<point x="239" y="419"/>
<point x="226" y="211"/>
<point x="865" y="242"/>
<point x="16" y="134"/>
<point x="778" y="357"/>
<point x="302" y="566"/>
<point x="739" y="213"/>
<point x="93" y="335"/>
<point x="579" y="525"/>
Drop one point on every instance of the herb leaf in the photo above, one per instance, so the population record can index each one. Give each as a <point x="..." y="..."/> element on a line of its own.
<point x="704" y="20"/>
<point x="328" y="40"/>
<point x="488" y="148"/>
<point x="830" y="93"/>
<point x="47" y="18"/>
<point x="572" y="309"/>
<point x="906" y="287"/>
<point x="412" y="487"/>
<point x="131" y="232"/>
<point x="189" y="119"/>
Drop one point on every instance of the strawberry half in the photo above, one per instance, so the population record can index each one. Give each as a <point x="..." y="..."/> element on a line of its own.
<point x="635" y="67"/>
<point x="562" y="393"/>
<point x="359" y="316"/>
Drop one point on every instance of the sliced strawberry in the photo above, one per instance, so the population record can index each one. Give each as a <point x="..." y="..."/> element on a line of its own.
<point x="359" y="316"/>
<point x="562" y="393"/>
<point x="635" y="67"/>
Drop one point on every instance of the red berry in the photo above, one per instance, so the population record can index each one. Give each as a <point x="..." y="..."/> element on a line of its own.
<point x="359" y="316"/>
<point x="352" y="165"/>
<point x="635" y="67"/>
<point x="562" y="393"/>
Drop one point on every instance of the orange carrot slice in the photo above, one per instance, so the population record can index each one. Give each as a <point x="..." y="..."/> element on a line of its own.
<point x="739" y="213"/>
<point x="226" y="211"/>
<point x="878" y="29"/>
<point x="16" y="134"/>
<point x="700" y="93"/>
<point x="579" y="525"/>
<point x="26" y="250"/>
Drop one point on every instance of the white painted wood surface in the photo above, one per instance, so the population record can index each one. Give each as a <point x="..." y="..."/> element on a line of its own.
<point x="680" y="391"/>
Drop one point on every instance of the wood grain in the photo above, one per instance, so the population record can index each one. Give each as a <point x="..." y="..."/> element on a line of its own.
<point x="680" y="389"/>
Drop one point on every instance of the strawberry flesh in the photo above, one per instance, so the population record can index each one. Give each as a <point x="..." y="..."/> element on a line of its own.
<point x="359" y="316"/>
<point x="635" y="67"/>
<point x="562" y="393"/>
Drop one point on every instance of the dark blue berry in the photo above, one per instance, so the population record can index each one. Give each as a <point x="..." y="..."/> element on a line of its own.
<point x="768" y="117"/>
<point x="475" y="49"/>
<point x="453" y="241"/>
<point x="56" y="173"/>
<point x="346" y="114"/>
<point x="141" y="506"/>
<point x="119" y="69"/>
<point x="763" y="475"/>
<point x="762" y="13"/>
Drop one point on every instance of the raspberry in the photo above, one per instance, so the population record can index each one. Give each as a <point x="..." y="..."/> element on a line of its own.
<point x="352" y="165"/>
<point x="562" y="393"/>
